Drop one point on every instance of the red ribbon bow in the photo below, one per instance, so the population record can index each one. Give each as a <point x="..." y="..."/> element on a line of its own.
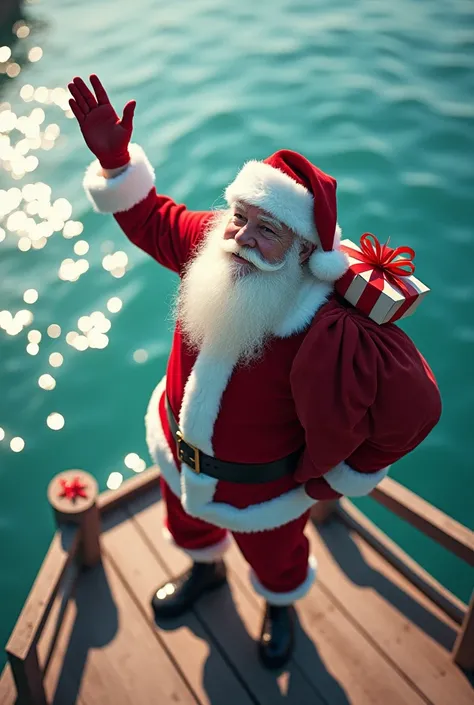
<point x="384" y="257"/>
<point x="385" y="264"/>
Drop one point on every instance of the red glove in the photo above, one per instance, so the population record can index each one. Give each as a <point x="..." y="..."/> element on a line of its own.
<point x="106" y="136"/>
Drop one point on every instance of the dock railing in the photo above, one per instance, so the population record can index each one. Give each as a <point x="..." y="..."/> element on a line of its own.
<point x="76" y="545"/>
<point x="432" y="522"/>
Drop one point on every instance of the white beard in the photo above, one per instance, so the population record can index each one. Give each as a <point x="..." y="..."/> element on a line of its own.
<point x="230" y="312"/>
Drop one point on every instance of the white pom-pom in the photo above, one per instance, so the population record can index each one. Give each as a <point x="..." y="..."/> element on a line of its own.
<point x="328" y="266"/>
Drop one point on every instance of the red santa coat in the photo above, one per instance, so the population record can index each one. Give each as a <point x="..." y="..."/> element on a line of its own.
<point x="356" y="395"/>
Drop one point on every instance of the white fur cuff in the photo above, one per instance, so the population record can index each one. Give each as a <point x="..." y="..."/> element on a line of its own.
<point x="349" y="482"/>
<point x="125" y="190"/>
<point x="286" y="598"/>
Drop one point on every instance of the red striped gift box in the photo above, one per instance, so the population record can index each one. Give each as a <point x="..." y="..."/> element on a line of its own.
<point x="380" y="281"/>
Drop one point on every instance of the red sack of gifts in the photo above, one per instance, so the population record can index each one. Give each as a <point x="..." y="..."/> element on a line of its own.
<point x="380" y="281"/>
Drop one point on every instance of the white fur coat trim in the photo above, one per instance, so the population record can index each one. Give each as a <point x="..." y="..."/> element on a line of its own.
<point x="210" y="554"/>
<point x="286" y="598"/>
<point x="125" y="190"/>
<point x="197" y="491"/>
<point x="350" y="482"/>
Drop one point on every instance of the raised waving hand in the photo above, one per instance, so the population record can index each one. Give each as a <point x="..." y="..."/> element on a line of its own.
<point x="106" y="135"/>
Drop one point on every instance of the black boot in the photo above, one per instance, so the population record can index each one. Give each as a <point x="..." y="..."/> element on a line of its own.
<point x="177" y="596"/>
<point x="278" y="635"/>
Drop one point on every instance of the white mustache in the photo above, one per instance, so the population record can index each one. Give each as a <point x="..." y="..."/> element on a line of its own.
<point x="252" y="256"/>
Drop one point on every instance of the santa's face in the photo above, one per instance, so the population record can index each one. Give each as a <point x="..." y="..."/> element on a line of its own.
<point x="240" y="284"/>
<point x="258" y="237"/>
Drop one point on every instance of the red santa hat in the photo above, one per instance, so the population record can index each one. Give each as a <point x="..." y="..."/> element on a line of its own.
<point x="301" y="196"/>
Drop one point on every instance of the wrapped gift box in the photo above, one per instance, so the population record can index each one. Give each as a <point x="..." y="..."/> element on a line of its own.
<point x="380" y="281"/>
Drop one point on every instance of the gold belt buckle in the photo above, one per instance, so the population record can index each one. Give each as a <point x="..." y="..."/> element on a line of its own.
<point x="195" y="467"/>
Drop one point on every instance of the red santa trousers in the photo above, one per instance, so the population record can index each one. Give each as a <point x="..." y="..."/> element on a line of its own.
<point x="281" y="569"/>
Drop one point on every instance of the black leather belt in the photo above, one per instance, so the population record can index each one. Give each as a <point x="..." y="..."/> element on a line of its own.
<point x="248" y="473"/>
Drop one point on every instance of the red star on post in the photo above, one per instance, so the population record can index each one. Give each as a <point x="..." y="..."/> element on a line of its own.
<point x="71" y="489"/>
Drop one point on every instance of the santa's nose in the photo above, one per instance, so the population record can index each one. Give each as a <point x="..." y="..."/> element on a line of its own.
<point x="245" y="236"/>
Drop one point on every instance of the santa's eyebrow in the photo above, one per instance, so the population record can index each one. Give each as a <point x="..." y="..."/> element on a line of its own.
<point x="268" y="219"/>
<point x="265" y="218"/>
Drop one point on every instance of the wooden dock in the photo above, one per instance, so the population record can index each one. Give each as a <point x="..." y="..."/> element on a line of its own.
<point x="366" y="633"/>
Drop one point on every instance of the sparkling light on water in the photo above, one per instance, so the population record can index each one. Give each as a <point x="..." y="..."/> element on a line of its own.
<point x="13" y="70"/>
<point x="116" y="263"/>
<point x="140" y="466"/>
<point x="32" y="349"/>
<point x="55" y="421"/>
<point x="114" y="481"/>
<point x="131" y="459"/>
<point x="97" y="340"/>
<point x="34" y="336"/>
<point x="72" y="228"/>
<point x="6" y="319"/>
<point x="85" y="323"/>
<point x="140" y="355"/>
<point x="23" y="32"/>
<point x="41" y="94"/>
<point x="81" y="247"/>
<point x="24" y="244"/>
<point x="71" y="337"/>
<point x="47" y="382"/>
<point x="71" y="270"/>
<point x="30" y="216"/>
<point x="100" y="322"/>
<point x="17" y="444"/>
<point x="24" y="317"/>
<point x="5" y="53"/>
<point x="134" y="462"/>
<point x="35" y="54"/>
<point x="56" y="359"/>
<point x="114" y="304"/>
<point x="27" y="92"/>
<point x="81" y="343"/>
<point x="30" y="296"/>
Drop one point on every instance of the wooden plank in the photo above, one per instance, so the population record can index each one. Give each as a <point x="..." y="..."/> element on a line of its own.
<point x="57" y="623"/>
<point x="436" y="592"/>
<point x="38" y="604"/>
<point x="335" y="656"/>
<point x="463" y="652"/>
<point x="132" y="487"/>
<point x="399" y="620"/>
<point x="232" y="620"/>
<point x="106" y="653"/>
<point x="7" y="687"/>
<point x="28" y="678"/>
<point x="186" y="640"/>
<point x="428" y="519"/>
<point x="61" y="684"/>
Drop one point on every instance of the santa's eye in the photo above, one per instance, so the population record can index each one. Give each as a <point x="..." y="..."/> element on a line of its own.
<point x="239" y="216"/>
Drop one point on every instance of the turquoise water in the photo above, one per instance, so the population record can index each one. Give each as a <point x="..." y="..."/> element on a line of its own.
<point x="380" y="96"/>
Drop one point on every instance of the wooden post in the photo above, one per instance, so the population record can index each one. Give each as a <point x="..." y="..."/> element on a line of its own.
<point x="73" y="495"/>
<point x="463" y="651"/>
<point x="322" y="510"/>
<point x="28" y="678"/>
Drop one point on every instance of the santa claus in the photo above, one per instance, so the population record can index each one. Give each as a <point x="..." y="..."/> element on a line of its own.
<point x="278" y="393"/>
